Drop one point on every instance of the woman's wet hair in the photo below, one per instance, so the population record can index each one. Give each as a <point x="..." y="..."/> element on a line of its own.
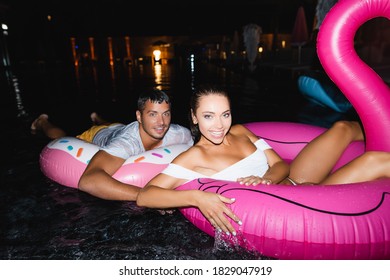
<point x="154" y="95"/>
<point x="201" y="91"/>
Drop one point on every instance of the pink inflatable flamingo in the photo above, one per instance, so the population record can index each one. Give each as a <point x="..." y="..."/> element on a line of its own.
<point x="364" y="88"/>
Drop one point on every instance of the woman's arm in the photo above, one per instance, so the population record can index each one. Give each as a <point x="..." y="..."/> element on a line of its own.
<point x="160" y="193"/>
<point x="278" y="170"/>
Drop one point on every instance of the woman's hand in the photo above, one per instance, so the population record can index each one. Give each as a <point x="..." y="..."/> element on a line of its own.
<point x="254" y="180"/>
<point x="213" y="207"/>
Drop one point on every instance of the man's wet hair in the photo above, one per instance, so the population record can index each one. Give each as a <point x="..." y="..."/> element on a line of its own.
<point x="154" y="95"/>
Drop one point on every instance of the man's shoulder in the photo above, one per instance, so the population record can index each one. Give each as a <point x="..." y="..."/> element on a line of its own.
<point x="178" y="127"/>
<point x="131" y="128"/>
<point x="132" y="124"/>
<point x="178" y="134"/>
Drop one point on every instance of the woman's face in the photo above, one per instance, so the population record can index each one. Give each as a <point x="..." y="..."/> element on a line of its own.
<point x="213" y="117"/>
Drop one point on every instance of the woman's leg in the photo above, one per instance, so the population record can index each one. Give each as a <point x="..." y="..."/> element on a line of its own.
<point x="314" y="163"/>
<point x="367" y="167"/>
<point x="43" y="124"/>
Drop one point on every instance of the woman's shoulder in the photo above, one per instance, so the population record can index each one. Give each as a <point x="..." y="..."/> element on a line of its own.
<point x="240" y="130"/>
<point x="237" y="127"/>
<point x="187" y="157"/>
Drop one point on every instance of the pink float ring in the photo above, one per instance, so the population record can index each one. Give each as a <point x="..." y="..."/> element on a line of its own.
<point x="348" y="221"/>
<point x="64" y="160"/>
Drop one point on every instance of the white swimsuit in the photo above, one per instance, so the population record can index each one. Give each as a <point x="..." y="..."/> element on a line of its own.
<point x="254" y="164"/>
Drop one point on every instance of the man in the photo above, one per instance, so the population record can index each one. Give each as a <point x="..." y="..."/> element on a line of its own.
<point x="117" y="142"/>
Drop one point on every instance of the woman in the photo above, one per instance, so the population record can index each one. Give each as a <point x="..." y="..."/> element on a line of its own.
<point x="226" y="152"/>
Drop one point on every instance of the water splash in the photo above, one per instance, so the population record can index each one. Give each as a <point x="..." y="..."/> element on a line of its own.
<point x="236" y="244"/>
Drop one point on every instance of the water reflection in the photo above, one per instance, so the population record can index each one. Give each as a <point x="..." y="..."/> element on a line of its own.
<point x="158" y="74"/>
<point x="162" y="76"/>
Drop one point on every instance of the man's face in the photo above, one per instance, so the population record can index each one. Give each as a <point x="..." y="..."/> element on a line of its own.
<point x="155" y="119"/>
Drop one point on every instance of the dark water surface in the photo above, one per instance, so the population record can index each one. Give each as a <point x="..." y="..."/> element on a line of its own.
<point x="41" y="219"/>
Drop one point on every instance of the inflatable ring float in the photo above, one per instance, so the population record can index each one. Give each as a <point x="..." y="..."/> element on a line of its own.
<point x="348" y="221"/>
<point x="64" y="160"/>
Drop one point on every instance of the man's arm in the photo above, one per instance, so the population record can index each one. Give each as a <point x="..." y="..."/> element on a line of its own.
<point x="97" y="179"/>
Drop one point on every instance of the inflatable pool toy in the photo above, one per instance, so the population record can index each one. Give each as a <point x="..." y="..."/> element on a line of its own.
<point x="349" y="221"/>
<point x="309" y="222"/>
<point x="64" y="160"/>
<point x="323" y="94"/>
<point x="364" y="88"/>
<point x="359" y="215"/>
<point x="345" y="221"/>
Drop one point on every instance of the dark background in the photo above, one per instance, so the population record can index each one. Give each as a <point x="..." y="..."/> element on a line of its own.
<point x="118" y="17"/>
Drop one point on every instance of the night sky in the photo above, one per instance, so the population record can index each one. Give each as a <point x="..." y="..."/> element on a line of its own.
<point x="129" y="17"/>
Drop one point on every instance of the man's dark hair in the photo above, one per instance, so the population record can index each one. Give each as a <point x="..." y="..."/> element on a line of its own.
<point x="154" y="95"/>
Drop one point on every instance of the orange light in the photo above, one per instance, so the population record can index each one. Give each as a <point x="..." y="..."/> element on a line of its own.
<point x="157" y="55"/>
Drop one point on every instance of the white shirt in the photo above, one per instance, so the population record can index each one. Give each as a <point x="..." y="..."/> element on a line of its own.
<point x="124" y="141"/>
